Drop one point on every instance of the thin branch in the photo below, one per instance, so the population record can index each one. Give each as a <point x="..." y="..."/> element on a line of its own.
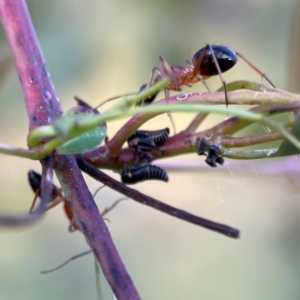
<point x="244" y="97"/>
<point x="93" y="227"/>
<point x="196" y="123"/>
<point x="156" y="204"/>
<point x="254" y="154"/>
<point x="41" y="101"/>
<point x="228" y="141"/>
<point x="43" y="107"/>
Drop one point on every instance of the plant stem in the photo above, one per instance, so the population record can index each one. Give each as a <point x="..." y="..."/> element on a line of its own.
<point x="41" y="101"/>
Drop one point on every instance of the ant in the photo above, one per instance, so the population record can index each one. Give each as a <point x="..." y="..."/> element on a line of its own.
<point x="35" y="179"/>
<point x="208" y="61"/>
<point x="144" y="140"/>
<point x="211" y="152"/>
<point x="142" y="173"/>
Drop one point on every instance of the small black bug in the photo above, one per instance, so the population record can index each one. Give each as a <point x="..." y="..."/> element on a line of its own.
<point x="212" y="157"/>
<point x="142" y="173"/>
<point x="144" y="140"/>
<point x="211" y="152"/>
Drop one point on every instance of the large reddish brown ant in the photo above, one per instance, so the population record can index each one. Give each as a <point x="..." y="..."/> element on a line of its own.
<point x="209" y="61"/>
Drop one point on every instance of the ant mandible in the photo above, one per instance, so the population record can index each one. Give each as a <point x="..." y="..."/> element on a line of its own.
<point x="209" y="61"/>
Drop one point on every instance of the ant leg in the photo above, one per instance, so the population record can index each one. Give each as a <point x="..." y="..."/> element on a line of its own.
<point x="167" y="95"/>
<point x="164" y="66"/>
<point x="255" y="69"/>
<point x="150" y="80"/>
<point x="151" y="76"/>
<point x="98" y="189"/>
<point x="67" y="261"/>
<point x="34" y="201"/>
<point x="108" y="209"/>
<point x="205" y="84"/>
<point x="196" y="123"/>
<point x="73" y="225"/>
<point x="55" y="202"/>
<point x="199" y="63"/>
<point x="219" y="72"/>
<point x="114" y="98"/>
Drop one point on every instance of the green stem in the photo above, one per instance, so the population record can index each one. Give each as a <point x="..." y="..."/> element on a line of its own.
<point x="281" y="129"/>
<point x="19" y="152"/>
<point x="34" y="137"/>
<point x="255" y="154"/>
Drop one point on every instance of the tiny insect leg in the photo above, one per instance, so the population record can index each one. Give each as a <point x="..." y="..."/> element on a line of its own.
<point x="165" y="70"/>
<point x="36" y="195"/>
<point x="167" y="96"/>
<point x="199" y="63"/>
<point x="110" y="208"/>
<point x="255" y="69"/>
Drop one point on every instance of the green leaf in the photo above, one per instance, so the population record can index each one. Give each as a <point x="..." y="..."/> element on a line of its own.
<point x="287" y="148"/>
<point x="86" y="142"/>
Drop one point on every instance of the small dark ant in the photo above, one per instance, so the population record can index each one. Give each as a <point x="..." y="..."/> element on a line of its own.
<point x="145" y="140"/>
<point x="149" y="100"/>
<point x="211" y="152"/>
<point x="142" y="173"/>
<point x="208" y="61"/>
<point x="35" y="180"/>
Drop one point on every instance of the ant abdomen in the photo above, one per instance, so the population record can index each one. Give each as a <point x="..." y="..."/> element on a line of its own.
<point x="142" y="173"/>
<point x="225" y="57"/>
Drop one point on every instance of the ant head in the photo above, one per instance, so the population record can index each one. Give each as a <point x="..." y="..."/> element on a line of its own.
<point x="226" y="59"/>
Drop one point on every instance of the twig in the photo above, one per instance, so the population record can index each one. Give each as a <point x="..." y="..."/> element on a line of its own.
<point x="93" y="227"/>
<point x="149" y="201"/>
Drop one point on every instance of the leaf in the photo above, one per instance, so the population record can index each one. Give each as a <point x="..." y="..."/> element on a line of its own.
<point x="86" y="142"/>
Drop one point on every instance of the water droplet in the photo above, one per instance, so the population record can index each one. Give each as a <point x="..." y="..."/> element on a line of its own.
<point x="31" y="79"/>
<point x="57" y="99"/>
<point x="41" y="108"/>
<point x="182" y="97"/>
<point x="49" y="120"/>
<point x="47" y="94"/>
<point x="35" y="118"/>
<point x="45" y="72"/>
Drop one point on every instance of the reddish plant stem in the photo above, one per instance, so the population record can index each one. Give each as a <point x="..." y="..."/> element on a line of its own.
<point x="41" y="101"/>
<point x="196" y="122"/>
<point x="245" y="97"/>
<point x="43" y="106"/>
<point x="93" y="227"/>
<point x="183" y="143"/>
<point x="180" y="144"/>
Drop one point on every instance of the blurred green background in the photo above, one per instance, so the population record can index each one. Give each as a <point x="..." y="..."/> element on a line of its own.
<point x="97" y="49"/>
